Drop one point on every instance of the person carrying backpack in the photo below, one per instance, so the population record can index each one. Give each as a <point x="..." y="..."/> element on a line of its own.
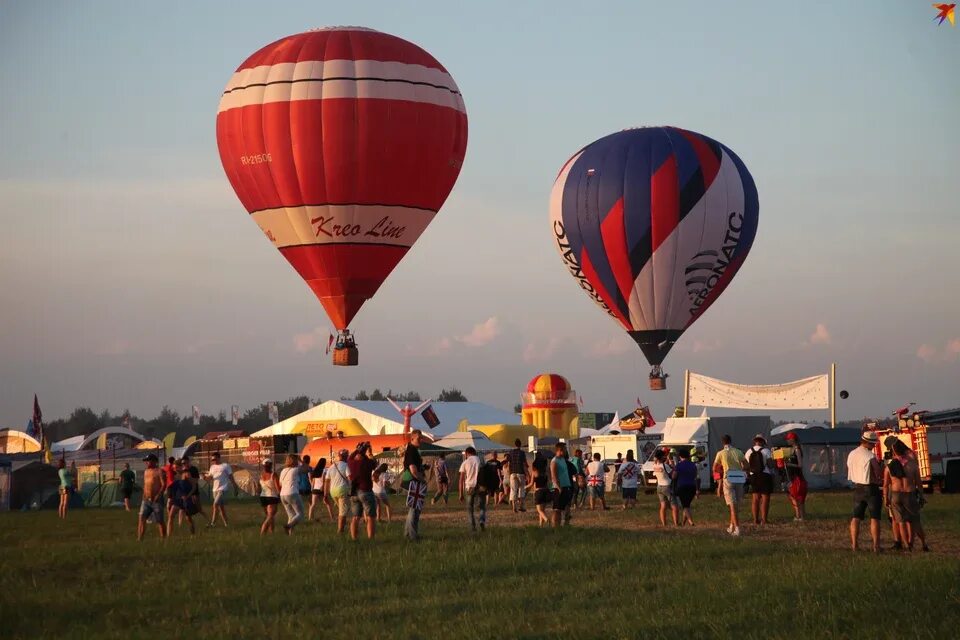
<point x="760" y="469"/>
<point x="488" y="484"/>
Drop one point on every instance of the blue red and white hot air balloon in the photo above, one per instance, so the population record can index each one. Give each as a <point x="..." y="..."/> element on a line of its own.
<point x="653" y="223"/>
<point x="342" y="144"/>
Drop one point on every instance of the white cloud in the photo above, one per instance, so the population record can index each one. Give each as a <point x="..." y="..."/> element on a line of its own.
<point x="482" y="334"/>
<point x="612" y="347"/>
<point x="440" y="346"/>
<point x="536" y="353"/>
<point x="933" y="355"/>
<point x="953" y="347"/>
<point x="311" y="340"/>
<point x="821" y="335"/>
<point x="705" y="346"/>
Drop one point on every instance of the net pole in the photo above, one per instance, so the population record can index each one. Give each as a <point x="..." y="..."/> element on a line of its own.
<point x="833" y="395"/>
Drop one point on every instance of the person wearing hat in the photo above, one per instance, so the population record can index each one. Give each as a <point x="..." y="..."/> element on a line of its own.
<point x="151" y="506"/>
<point x="798" y="484"/>
<point x="760" y="465"/>
<point x="865" y="472"/>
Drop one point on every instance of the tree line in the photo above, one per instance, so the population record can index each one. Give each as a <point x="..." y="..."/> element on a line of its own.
<point x="84" y="420"/>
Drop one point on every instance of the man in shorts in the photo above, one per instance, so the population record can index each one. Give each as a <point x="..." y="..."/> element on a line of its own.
<point x="596" y="482"/>
<point x="628" y="476"/>
<point x="152" y="506"/>
<point x="517" y="465"/>
<point x="731" y="465"/>
<point x="338" y="487"/>
<point x="184" y="505"/>
<point x="865" y="473"/>
<point x="222" y="477"/>
<point x="363" y="502"/>
<point x="901" y="489"/>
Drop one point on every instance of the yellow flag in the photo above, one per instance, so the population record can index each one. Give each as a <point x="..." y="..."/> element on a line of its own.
<point x="189" y="441"/>
<point x="168" y="443"/>
<point x="102" y="441"/>
<point x="462" y="426"/>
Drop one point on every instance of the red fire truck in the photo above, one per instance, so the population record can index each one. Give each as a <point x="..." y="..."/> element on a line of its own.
<point x="935" y="437"/>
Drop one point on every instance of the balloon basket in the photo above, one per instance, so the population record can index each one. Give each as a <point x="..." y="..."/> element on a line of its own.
<point x="345" y="357"/>
<point x="658" y="383"/>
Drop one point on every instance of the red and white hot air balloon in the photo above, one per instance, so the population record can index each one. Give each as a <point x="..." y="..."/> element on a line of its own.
<point x="342" y="143"/>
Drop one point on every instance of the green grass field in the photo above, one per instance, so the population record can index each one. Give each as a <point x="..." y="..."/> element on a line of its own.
<point x="611" y="575"/>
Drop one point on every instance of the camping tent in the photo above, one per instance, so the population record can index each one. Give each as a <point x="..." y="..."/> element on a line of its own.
<point x="825" y="454"/>
<point x="5" y="473"/>
<point x="37" y="484"/>
<point x="463" y="439"/>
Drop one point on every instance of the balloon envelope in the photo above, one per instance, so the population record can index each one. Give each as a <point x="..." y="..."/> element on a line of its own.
<point x="653" y="223"/>
<point x="342" y="144"/>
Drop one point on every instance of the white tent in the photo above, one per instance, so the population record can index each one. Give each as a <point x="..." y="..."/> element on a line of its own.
<point x="68" y="444"/>
<point x="476" y="439"/>
<point x="380" y="417"/>
<point x="795" y="426"/>
<point x="684" y="430"/>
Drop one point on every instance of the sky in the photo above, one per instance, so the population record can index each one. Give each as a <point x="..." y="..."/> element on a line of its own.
<point x="130" y="278"/>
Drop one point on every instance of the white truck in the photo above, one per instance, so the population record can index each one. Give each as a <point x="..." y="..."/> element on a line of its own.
<point x="608" y="446"/>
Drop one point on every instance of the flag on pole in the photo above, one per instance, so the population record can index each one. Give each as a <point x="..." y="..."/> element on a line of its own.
<point x="126" y="420"/>
<point x="649" y="416"/>
<point x="235" y="414"/>
<point x="30" y="431"/>
<point x="581" y="402"/>
<point x="38" y="419"/>
<point x="273" y="413"/>
<point x="196" y="415"/>
<point x="639" y="404"/>
<point x="430" y="417"/>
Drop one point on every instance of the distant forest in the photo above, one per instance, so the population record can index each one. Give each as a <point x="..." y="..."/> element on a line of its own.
<point x="84" y="420"/>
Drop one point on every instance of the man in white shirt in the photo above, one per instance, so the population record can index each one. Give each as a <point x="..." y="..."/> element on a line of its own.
<point x="469" y="475"/>
<point x="628" y="473"/>
<point x="865" y="472"/>
<point x="338" y="476"/>
<point x="221" y="475"/>
<point x="760" y="465"/>
<point x="596" y="482"/>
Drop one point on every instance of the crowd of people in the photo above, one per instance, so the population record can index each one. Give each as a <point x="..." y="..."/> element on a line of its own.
<point x="357" y="487"/>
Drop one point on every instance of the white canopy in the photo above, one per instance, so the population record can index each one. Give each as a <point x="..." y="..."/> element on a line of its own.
<point x="795" y="426"/>
<point x="680" y="430"/>
<point x="476" y="439"/>
<point x="380" y="416"/>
